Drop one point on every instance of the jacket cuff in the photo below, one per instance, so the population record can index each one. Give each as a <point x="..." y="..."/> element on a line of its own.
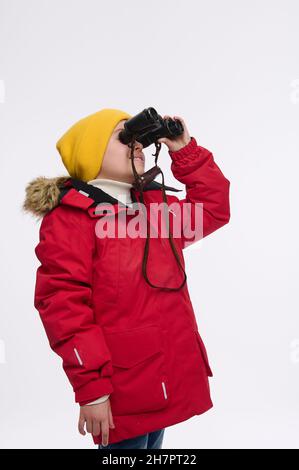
<point x="188" y="159"/>
<point x="184" y="151"/>
<point x="93" y="390"/>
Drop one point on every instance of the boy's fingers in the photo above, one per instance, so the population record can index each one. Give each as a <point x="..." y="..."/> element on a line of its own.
<point x="105" y="432"/>
<point x="111" y="422"/>
<point x="96" y="428"/>
<point x="81" y="426"/>
<point x="89" y="425"/>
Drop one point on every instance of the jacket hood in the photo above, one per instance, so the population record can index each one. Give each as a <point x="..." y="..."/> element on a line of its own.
<point x="43" y="194"/>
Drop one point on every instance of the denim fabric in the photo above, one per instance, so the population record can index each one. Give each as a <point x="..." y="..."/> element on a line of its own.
<point x="152" y="440"/>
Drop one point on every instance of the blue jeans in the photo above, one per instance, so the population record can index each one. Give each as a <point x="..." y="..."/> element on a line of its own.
<point x="152" y="440"/>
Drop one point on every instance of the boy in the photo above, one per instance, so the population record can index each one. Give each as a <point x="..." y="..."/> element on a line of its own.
<point x="132" y="353"/>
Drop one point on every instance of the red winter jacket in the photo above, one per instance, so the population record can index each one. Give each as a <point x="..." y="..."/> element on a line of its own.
<point x="115" y="333"/>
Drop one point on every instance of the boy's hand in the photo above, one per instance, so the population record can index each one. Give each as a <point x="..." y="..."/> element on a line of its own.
<point x="98" y="419"/>
<point x="178" y="142"/>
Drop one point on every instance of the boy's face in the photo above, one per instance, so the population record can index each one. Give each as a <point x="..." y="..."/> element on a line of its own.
<point x="116" y="162"/>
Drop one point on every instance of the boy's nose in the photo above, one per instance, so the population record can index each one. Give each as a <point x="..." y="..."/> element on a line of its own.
<point x="137" y="145"/>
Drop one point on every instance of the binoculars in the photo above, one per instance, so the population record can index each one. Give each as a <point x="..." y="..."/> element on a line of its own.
<point x="148" y="126"/>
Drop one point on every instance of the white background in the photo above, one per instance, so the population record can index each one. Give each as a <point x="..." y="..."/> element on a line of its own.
<point x="231" y="70"/>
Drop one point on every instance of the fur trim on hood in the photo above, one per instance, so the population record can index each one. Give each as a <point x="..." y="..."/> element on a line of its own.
<point x="42" y="195"/>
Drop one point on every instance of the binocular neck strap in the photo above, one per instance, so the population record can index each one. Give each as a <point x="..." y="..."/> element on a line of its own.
<point x="140" y="183"/>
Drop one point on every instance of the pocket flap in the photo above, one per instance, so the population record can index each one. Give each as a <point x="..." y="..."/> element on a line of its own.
<point x="129" y="347"/>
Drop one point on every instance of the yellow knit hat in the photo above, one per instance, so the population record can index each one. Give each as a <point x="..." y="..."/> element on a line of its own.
<point x="82" y="147"/>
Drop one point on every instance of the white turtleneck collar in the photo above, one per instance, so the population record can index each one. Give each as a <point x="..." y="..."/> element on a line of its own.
<point x="117" y="189"/>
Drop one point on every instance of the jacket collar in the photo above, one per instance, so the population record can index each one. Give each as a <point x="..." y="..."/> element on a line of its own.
<point x="93" y="195"/>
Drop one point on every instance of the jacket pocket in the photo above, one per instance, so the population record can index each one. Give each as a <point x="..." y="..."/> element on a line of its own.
<point x="204" y="354"/>
<point x="139" y="379"/>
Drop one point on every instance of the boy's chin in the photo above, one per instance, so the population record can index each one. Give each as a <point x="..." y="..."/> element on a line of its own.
<point x="139" y="170"/>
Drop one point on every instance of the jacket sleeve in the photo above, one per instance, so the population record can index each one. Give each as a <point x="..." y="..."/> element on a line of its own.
<point x="63" y="293"/>
<point x="207" y="192"/>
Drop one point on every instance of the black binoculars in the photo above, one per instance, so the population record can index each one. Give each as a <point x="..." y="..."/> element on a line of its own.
<point x="148" y="126"/>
